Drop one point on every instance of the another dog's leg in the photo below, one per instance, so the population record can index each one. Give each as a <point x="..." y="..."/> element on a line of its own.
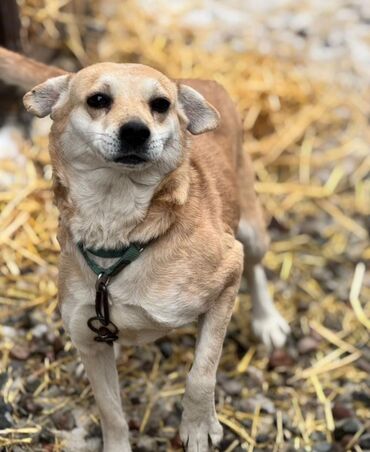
<point x="100" y="366"/>
<point x="199" y="418"/>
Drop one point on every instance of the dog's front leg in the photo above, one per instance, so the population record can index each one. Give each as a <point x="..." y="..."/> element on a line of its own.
<point x="199" y="419"/>
<point x="100" y="366"/>
<point x="98" y="358"/>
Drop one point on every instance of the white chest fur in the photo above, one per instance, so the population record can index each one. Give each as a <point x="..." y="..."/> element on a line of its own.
<point x="108" y="205"/>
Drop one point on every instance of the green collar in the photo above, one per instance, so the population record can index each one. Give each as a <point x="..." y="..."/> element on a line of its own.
<point x="124" y="255"/>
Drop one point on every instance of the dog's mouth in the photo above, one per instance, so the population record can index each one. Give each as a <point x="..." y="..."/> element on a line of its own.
<point x="131" y="159"/>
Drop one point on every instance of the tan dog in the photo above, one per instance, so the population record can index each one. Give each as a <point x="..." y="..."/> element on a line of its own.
<point x="141" y="159"/>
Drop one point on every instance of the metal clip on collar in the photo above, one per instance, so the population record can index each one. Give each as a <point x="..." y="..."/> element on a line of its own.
<point x="101" y="324"/>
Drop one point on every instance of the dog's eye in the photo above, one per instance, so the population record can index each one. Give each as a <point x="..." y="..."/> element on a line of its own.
<point x="160" y="104"/>
<point x="99" y="100"/>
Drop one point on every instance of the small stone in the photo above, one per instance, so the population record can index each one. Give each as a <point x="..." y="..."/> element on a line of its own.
<point x="58" y="344"/>
<point x="307" y="345"/>
<point x="94" y="431"/>
<point x="362" y="397"/>
<point x="166" y="349"/>
<point x="249" y="405"/>
<point x="340" y="411"/>
<point x="322" y="447"/>
<point x="5" y="421"/>
<point x="247" y="423"/>
<point x="232" y="387"/>
<point x="53" y="391"/>
<point x="346" y="439"/>
<point x="256" y="375"/>
<point x="28" y="405"/>
<point x="135" y="400"/>
<point x="134" y="424"/>
<point x="39" y="330"/>
<point x="280" y="358"/>
<point x="24" y="321"/>
<point x="345" y="427"/>
<point x="5" y="417"/>
<point x="318" y="437"/>
<point x="262" y="438"/>
<point x="364" y="441"/>
<point x="64" y="420"/>
<point x="20" y="352"/>
<point x="3" y="379"/>
<point x="224" y="444"/>
<point x="46" y="436"/>
<point x="8" y="331"/>
<point x="363" y="364"/>
<point x="39" y="347"/>
<point x="153" y="425"/>
<point x="5" y="407"/>
<point x="146" y="444"/>
<point x="172" y="420"/>
<point x="32" y="384"/>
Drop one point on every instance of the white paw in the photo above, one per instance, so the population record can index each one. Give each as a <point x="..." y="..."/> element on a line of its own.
<point x="195" y="433"/>
<point x="272" y="330"/>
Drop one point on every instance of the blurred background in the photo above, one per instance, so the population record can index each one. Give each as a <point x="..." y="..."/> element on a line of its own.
<point x="299" y="72"/>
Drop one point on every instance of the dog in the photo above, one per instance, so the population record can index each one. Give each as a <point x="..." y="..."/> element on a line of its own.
<point x="158" y="219"/>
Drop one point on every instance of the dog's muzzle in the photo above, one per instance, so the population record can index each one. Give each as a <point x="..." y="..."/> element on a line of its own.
<point x="134" y="136"/>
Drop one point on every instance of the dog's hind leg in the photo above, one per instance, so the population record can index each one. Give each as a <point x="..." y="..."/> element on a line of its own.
<point x="199" y="419"/>
<point x="267" y="323"/>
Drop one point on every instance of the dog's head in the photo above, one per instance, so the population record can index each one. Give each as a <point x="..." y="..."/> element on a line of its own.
<point x="129" y="116"/>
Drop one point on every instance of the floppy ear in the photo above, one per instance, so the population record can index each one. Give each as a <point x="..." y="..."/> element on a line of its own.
<point x="202" y="116"/>
<point x="41" y="99"/>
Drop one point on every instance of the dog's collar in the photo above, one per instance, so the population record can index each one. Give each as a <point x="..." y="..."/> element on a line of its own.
<point x="125" y="256"/>
<point x="106" y="331"/>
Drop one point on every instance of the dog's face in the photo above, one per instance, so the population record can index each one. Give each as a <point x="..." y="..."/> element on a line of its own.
<point x="128" y="116"/>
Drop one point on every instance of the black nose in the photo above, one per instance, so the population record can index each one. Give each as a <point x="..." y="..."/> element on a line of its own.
<point x="134" y="133"/>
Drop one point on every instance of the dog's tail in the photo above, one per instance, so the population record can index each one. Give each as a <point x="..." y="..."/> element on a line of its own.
<point x="18" y="70"/>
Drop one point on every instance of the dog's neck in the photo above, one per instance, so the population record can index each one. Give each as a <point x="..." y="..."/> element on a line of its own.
<point x="108" y="206"/>
<point x="105" y="208"/>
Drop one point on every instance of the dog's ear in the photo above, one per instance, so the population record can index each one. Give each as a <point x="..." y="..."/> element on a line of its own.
<point x="41" y="99"/>
<point x="201" y="115"/>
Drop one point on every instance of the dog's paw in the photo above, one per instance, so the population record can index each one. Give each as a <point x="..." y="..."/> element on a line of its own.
<point x="272" y="330"/>
<point x="195" y="434"/>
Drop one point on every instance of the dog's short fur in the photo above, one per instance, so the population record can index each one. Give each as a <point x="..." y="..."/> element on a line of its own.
<point x="191" y="198"/>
